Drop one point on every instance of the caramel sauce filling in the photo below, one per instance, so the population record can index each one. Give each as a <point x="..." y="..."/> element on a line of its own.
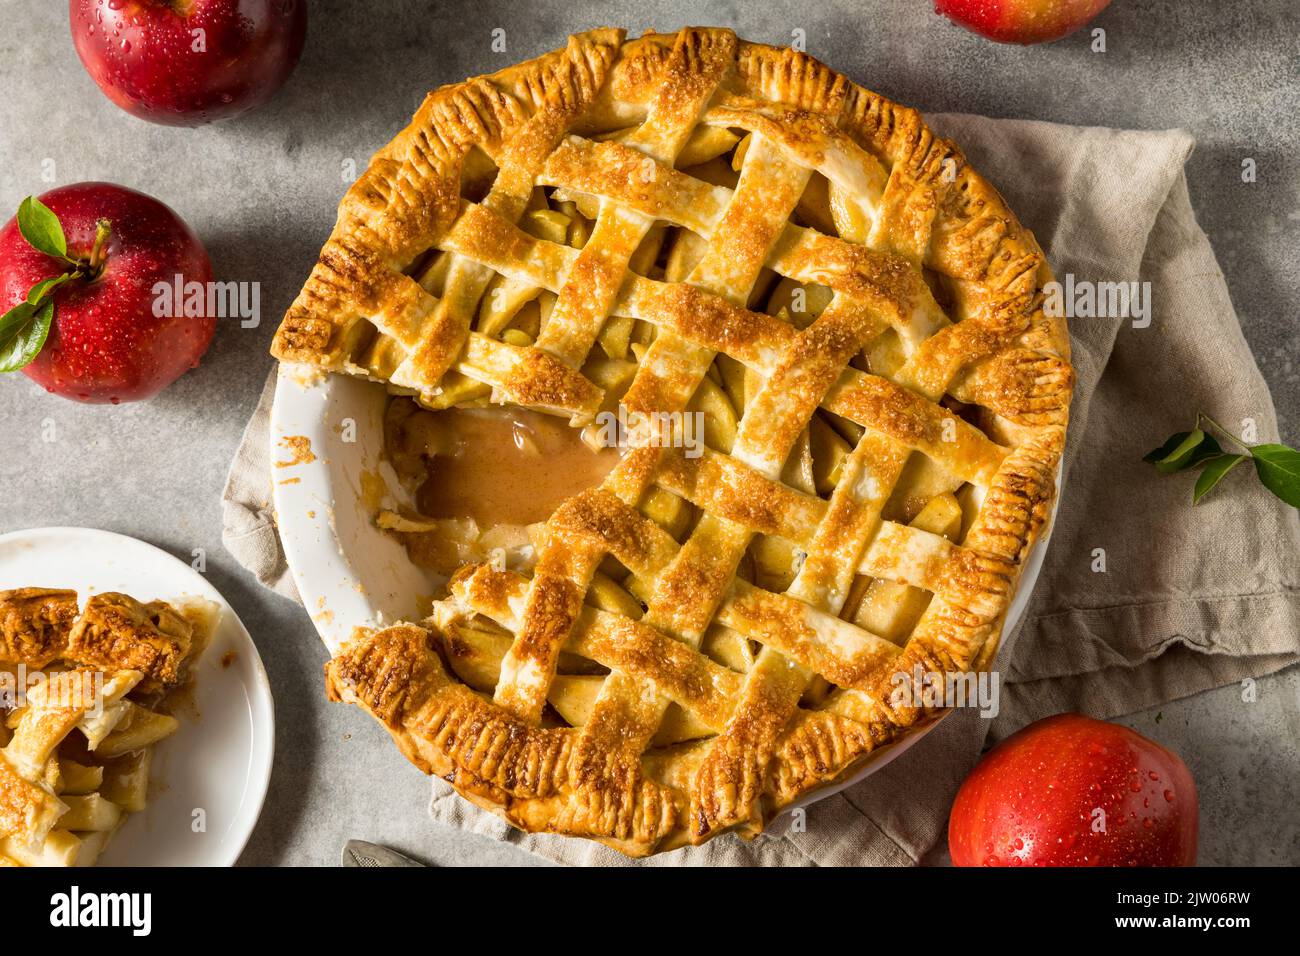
<point x="504" y="466"/>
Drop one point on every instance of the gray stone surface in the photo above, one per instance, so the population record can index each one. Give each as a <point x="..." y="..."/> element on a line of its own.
<point x="261" y="191"/>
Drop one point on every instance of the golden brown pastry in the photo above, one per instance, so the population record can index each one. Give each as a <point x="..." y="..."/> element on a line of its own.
<point x="689" y="224"/>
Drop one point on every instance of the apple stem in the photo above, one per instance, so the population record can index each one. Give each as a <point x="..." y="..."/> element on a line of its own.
<point x="103" y="229"/>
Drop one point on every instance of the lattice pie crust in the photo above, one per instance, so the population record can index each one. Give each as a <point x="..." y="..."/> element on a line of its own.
<point x="717" y="697"/>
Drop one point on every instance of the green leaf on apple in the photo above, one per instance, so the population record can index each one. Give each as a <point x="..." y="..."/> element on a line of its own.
<point x="25" y="327"/>
<point x="40" y="227"/>
<point x="37" y="292"/>
<point x="23" y="330"/>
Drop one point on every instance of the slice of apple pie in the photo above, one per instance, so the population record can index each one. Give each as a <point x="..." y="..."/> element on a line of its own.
<point x="84" y="697"/>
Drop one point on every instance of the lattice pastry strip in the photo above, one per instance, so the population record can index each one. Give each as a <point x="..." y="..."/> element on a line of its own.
<point x="768" y="430"/>
<point x="730" y="778"/>
<point x="690" y="78"/>
<point x="529" y="667"/>
<point x="869" y="400"/>
<point x="555" y="595"/>
<point x="798" y="253"/>
<point x="494" y="364"/>
<point x="724" y="542"/>
<point x="626" y="717"/>
<point x="722" y="701"/>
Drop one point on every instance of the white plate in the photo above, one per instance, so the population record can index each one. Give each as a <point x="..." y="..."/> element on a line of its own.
<point x="351" y="574"/>
<point x="219" y="761"/>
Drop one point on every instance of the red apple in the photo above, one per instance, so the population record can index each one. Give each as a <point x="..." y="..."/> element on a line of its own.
<point x="188" y="62"/>
<point x="106" y="341"/>
<point x="1021" y="21"/>
<point x="1073" y="791"/>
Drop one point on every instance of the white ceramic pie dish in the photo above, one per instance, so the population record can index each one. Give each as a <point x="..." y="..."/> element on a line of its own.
<point x="219" y="761"/>
<point x="348" y="572"/>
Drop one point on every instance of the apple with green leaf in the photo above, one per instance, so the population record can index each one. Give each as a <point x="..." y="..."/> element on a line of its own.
<point x="1021" y="21"/>
<point x="188" y="62"/>
<point x="80" y="273"/>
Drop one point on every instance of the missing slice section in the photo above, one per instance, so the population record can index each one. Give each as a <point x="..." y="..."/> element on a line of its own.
<point x="480" y="478"/>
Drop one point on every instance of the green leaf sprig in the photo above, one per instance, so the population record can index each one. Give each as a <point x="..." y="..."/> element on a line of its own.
<point x="25" y="327"/>
<point x="1278" y="466"/>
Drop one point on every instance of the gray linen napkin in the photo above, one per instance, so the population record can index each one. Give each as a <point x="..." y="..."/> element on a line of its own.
<point x="1187" y="600"/>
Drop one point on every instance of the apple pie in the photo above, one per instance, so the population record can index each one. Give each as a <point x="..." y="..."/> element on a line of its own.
<point x="85" y="694"/>
<point x="840" y="411"/>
